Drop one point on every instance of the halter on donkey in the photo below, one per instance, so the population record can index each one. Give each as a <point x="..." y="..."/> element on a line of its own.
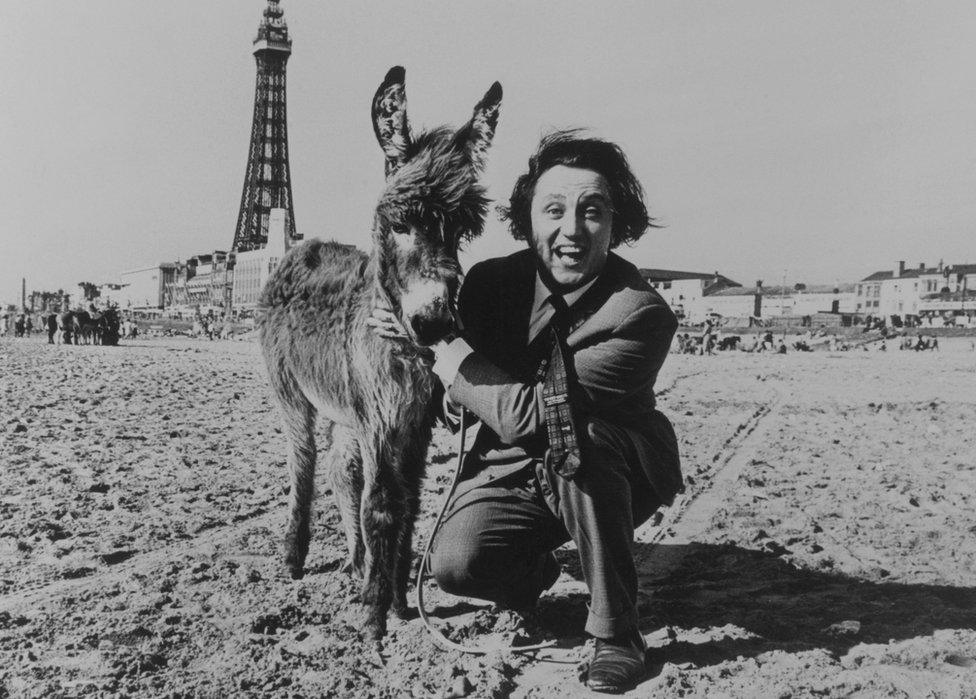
<point x="372" y="394"/>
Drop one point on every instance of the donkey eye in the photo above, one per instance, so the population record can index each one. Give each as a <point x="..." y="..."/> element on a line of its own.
<point x="400" y="228"/>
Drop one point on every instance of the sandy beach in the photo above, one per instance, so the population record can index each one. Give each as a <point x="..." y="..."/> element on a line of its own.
<point x="826" y="544"/>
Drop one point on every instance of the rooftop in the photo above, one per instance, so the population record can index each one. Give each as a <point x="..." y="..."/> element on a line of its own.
<point x="670" y="275"/>
<point x="787" y="290"/>
<point x="921" y="271"/>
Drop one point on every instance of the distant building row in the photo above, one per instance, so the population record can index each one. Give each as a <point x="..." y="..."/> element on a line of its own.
<point x="216" y="282"/>
<point x="696" y="296"/>
<point x="948" y="291"/>
<point x="221" y="281"/>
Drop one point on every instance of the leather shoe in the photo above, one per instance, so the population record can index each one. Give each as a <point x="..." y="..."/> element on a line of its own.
<point x="618" y="664"/>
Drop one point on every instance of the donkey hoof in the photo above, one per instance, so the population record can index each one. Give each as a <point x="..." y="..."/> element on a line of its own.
<point x="352" y="570"/>
<point x="404" y="612"/>
<point x="296" y="572"/>
<point x="375" y="628"/>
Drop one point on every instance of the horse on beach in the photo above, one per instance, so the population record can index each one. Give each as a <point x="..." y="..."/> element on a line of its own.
<point x="51" y="323"/>
<point x="66" y="328"/>
<point x="373" y="394"/>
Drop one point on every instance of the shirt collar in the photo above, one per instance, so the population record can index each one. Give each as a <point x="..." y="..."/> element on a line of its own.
<point x="542" y="293"/>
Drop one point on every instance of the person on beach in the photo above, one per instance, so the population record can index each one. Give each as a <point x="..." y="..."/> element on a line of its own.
<point x="560" y="350"/>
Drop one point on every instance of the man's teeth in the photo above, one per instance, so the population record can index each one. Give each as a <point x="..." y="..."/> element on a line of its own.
<point x="569" y="251"/>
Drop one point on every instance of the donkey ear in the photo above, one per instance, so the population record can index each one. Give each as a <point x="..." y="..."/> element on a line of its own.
<point x="481" y="129"/>
<point x="390" y="118"/>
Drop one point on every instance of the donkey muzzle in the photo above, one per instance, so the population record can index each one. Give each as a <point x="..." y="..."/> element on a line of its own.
<point x="432" y="323"/>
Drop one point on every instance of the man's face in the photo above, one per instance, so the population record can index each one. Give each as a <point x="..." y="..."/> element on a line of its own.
<point x="572" y="223"/>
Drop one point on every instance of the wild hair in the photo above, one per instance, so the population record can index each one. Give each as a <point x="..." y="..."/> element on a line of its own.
<point x="571" y="148"/>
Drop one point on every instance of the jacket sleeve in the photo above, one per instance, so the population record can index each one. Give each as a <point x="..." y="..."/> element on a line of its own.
<point x="613" y="367"/>
<point x="621" y="369"/>
<point x="510" y="408"/>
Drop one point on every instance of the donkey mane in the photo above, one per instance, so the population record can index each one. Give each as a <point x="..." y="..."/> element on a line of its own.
<point x="435" y="185"/>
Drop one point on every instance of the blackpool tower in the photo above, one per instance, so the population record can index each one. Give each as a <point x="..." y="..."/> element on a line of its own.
<point x="267" y="180"/>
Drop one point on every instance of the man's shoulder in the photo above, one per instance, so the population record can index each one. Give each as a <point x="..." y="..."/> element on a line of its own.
<point x="497" y="270"/>
<point x="629" y="290"/>
<point x="501" y="272"/>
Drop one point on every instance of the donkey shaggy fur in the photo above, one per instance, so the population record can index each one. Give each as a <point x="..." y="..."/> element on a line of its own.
<point x="374" y="395"/>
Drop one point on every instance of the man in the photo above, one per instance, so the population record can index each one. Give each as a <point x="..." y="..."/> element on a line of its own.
<point x="587" y="460"/>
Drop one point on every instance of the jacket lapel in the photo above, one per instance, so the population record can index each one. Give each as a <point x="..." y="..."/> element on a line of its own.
<point x="594" y="298"/>
<point x="523" y="296"/>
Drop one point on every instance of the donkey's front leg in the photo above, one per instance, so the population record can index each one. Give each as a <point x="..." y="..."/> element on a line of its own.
<point x="382" y="515"/>
<point x="412" y="467"/>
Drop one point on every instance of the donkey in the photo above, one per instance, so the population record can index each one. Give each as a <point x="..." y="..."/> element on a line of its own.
<point x="374" y="395"/>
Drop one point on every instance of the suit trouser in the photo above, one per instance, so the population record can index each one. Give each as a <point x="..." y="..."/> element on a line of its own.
<point x="497" y="538"/>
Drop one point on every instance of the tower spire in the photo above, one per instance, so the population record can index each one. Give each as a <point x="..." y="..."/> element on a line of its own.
<point x="267" y="178"/>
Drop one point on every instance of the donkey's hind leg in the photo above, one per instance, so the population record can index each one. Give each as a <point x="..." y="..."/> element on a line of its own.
<point x="299" y="422"/>
<point x="345" y="468"/>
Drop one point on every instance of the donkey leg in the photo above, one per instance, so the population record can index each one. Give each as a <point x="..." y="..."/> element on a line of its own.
<point x="404" y="558"/>
<point x="299" y="421"/>
<point x="381" y="513"/>
<point x="412" y="473"/>
<point x="345" y="468"/>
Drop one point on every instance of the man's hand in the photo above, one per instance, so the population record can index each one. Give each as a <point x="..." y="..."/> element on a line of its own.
<point x="448" y="355"/>
<point x="385" y="323"/>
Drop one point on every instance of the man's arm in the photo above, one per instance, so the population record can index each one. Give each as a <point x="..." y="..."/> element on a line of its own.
<point x="621" y="365"/>
<point x="626" y="364"/>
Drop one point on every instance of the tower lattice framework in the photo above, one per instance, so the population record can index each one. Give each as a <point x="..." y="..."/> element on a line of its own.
<point x="267" y="179"/>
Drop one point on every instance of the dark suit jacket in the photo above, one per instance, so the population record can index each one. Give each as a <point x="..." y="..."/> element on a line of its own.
<point x="621" y="334"/>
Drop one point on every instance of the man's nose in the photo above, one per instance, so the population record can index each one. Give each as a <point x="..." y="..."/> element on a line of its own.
<point x="572" y="226"/>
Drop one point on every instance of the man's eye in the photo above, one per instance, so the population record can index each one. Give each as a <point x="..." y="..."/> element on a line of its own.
<point x="593" y="212"/>
<point x="554" y="211"/>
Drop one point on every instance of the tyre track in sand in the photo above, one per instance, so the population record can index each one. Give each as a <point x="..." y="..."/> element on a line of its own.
<point x="705" y="493"/>
<point x="216" y="538"/>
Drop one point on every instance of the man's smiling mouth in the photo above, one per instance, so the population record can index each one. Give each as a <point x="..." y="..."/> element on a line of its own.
<point x="570" y="254"/>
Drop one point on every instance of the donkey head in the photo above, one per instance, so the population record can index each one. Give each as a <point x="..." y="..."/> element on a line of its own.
<point x="432" y="203"/>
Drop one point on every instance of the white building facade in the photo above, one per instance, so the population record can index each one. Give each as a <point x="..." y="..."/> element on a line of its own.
<point x="140" y="289"/>
<point x="918" y="291"/>
<point x="687" y="292"/>
<point x="253" y="267"/>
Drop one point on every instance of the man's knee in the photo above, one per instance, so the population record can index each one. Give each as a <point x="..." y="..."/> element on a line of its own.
<point x="464" y="570"/>
<point x="612" y="477"/>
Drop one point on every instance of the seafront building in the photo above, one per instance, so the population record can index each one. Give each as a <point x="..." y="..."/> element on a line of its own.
<point x="780" y="302"/>
<point x="945" y="292"/>
<point x="685" y="292"/>
<point x="698" y="296"/>
<point x="142" y="289"/>
<point x="253" y="267"/>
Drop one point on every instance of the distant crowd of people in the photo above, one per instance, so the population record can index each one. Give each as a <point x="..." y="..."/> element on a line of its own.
<point x="108" y="325"/>
<point x="707" y="342"/>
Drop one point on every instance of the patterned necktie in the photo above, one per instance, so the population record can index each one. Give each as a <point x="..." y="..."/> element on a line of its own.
<point x="563" y="454"/>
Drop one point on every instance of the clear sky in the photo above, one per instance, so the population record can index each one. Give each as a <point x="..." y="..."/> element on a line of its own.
<point x="817" y="140"/>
